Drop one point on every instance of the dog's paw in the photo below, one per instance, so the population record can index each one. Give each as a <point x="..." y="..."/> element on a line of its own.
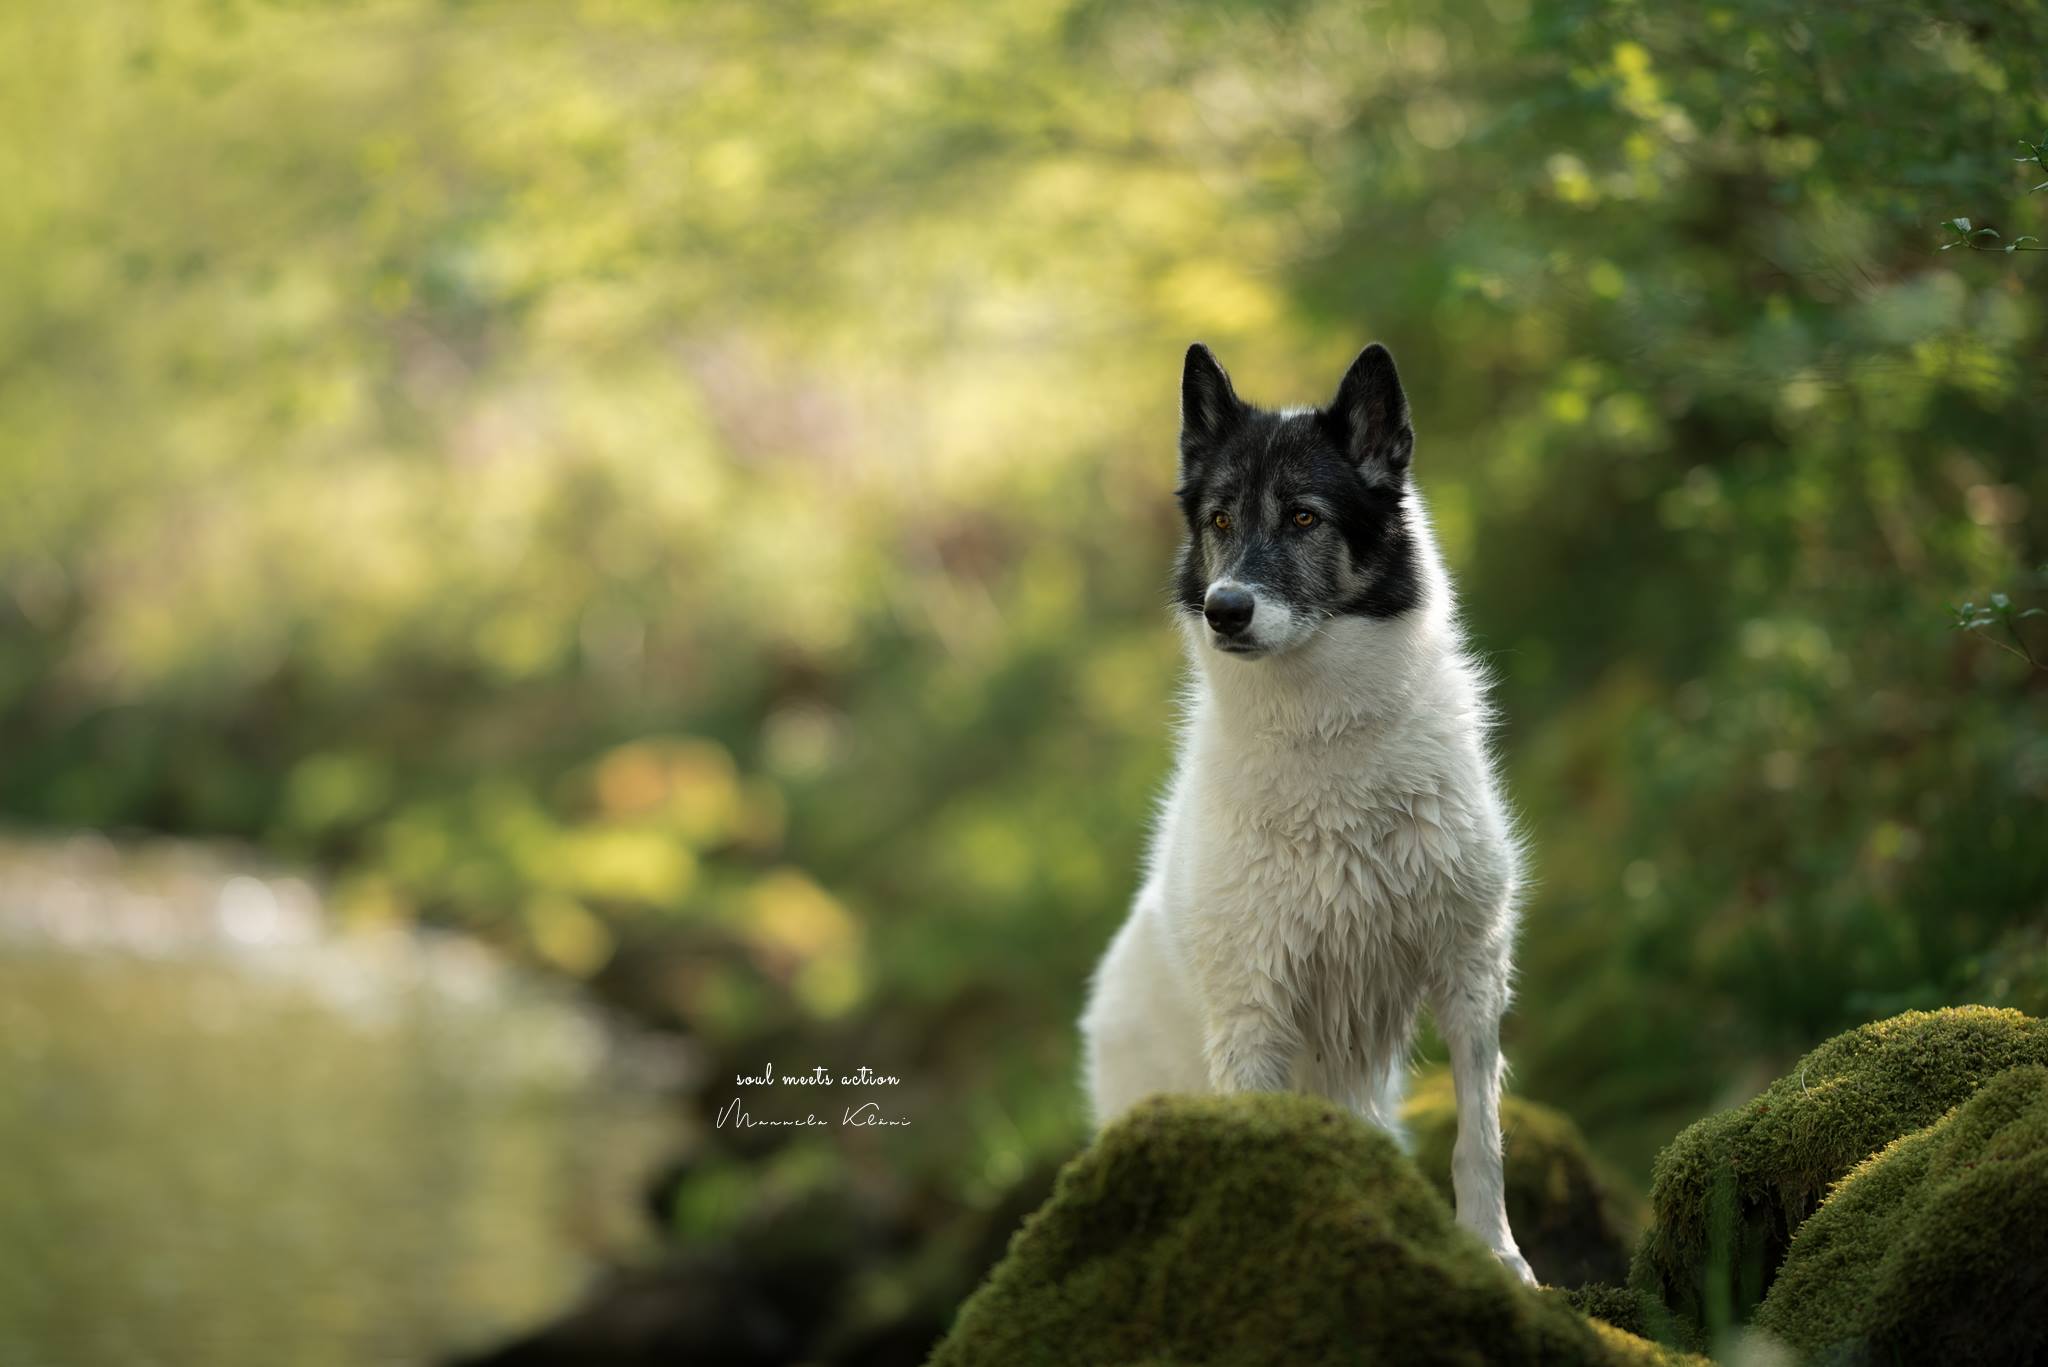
<point x="1511" y="1258"/>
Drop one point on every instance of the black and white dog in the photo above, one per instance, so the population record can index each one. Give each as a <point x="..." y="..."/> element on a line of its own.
<point x="1334" y="850"/>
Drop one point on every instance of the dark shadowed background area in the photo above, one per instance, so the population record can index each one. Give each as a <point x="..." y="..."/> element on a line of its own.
<point x="552" y="556"/>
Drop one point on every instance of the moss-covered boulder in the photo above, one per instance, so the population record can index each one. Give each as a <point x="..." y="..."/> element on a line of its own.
<point x="1256" y="1230"/>
<point x="1615" y="1305"/>
<point x="1728" y="1195"/>
<point x="1934" y="1249"/>
<point x="1571" y="1222"/>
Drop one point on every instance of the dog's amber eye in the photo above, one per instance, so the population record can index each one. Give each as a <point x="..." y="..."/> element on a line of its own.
<point x="1304" y="518"/>
<point x="1221" y="521"/>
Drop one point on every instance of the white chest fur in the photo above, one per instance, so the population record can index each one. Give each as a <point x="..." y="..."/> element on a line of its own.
<point x="1332" y="870"/>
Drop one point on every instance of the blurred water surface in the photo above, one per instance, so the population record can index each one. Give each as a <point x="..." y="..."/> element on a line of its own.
<point x="233" y="1134"/>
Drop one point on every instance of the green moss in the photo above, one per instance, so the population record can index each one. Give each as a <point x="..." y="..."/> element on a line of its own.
<point x="1615" y="1305"/>
<point x="1935" y="1249"/>
<point x="1729" y="1194"/>
<point x="1258" y="1229"/>
<point x="1571" y="1225"/>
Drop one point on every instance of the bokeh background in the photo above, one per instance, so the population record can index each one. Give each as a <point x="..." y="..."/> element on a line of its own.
<point x="641" y="528"/>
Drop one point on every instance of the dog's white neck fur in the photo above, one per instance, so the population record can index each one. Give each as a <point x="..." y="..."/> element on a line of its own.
<point x="1332" y="856"/>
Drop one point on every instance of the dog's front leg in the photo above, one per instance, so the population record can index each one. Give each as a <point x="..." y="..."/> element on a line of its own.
<point x="1251" y="1042"/>
<point x="1469" y="1021"/>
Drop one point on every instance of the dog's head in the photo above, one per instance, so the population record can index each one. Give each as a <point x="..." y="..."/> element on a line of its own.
<point x="1294" y="518"/>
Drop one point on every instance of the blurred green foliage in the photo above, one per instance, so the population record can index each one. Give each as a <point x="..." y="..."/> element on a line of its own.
<point x="683" y="489"/>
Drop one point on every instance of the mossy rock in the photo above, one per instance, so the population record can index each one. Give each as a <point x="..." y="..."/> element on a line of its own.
<point x="1611" y="1304"/>
<point x="1571" y="1224"/>
<point x="1935" y="1249"/>
<point x="1257" y="1230"/>
<point x="1728" y="1195"/>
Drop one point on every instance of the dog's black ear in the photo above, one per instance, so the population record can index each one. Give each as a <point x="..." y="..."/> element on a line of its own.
<point x="1209" y="407"/>
<point x="1369" y="417"/>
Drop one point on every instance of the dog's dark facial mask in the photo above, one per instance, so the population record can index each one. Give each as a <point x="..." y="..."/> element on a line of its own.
<point x="1294" y="518"/>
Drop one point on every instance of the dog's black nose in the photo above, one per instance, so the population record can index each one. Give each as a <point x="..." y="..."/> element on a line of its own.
<point x="1229" y="609"/>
